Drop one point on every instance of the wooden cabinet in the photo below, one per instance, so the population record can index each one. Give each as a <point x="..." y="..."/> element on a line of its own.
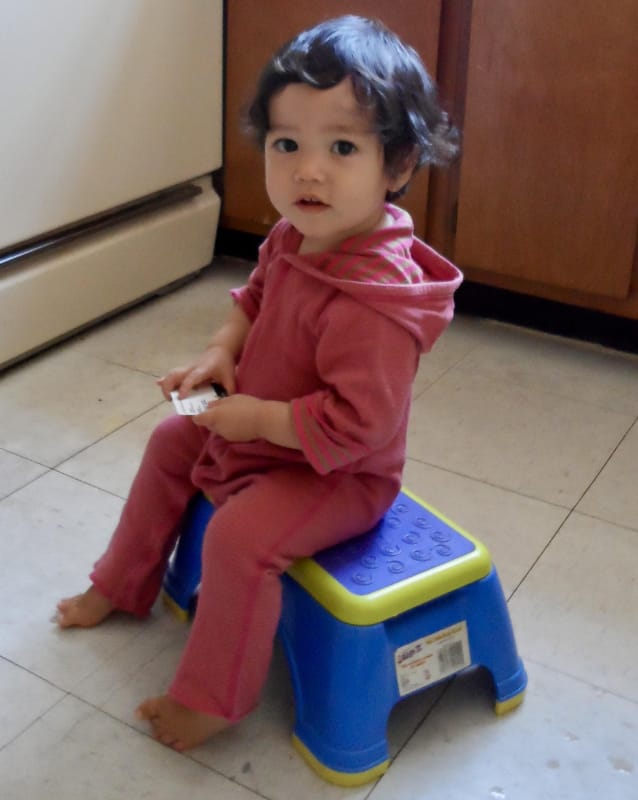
<point x="547" y="194"/>
<point x="544" y="198"/>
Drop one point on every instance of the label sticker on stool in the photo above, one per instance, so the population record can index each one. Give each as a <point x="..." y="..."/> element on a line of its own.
<point x="432" y="658"/>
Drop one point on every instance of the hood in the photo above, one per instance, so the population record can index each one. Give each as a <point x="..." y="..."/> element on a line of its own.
<point x="390" y="271"/>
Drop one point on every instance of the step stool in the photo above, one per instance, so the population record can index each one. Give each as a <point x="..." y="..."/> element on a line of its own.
<point x="364" y="624"/>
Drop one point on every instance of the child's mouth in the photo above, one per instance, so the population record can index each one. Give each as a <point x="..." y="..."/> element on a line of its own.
<point x="310" y="204"/>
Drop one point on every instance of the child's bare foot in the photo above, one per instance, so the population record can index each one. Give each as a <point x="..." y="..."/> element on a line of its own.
<point x="177" y="726"/>
<point x="83" y="610"/>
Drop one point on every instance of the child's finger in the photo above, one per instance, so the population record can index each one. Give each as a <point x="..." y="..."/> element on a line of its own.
<point x="169" y="382"/>
<point x="205" y="419"/>
<point x="164" y="387"/>
<point x="190" y="381"/>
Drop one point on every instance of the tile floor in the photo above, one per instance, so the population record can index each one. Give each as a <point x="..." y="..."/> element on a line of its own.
<point x="529" y="441"/>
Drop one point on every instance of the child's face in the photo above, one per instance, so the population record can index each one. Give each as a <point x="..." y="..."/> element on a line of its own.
<point x="324" y="165"/>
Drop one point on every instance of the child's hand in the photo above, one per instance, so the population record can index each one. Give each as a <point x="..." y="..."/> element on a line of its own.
<point x="214" y="365"/>
<point x="235" y="418"/>
<point x="242" y="418"/>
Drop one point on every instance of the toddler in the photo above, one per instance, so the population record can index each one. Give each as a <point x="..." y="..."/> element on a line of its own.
<point x="318" y="355"/>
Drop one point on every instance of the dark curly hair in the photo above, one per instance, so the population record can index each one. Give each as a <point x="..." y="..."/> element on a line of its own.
<point x="388" y="79"/>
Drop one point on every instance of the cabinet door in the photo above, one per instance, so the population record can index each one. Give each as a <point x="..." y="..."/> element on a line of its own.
<point x="549" y="172"/>
<point x="254" y="30"/>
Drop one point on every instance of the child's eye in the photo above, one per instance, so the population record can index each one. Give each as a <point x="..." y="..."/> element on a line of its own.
<point x="285" y="145"/>
<point x="343" y="148"/>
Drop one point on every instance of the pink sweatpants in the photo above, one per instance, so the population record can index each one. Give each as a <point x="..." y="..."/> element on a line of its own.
<point x="270" y="519"/>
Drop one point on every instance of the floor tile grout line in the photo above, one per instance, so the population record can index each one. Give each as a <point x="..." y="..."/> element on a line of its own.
<point x="184" y="754"/>
<point x="507" y="489"/>
<point x="25" y="458"/>
<point x="445" y="687"/>
<point x="56" y="471"/>
<point x="106" y="435"/>
<point x="445" y="372"/>
<point x="68" y="693"/>
<point x="32" y="673"/>
<point x="502" y="378"/>
<point x="518" y="493"/>
<point x="137" y="370"/>
<point x="505" y="381"/>
<point x="56" y="467"/>
<point x="137" y="731"/>
<point x="620" y="525"/>
<point x="568" y="514"/>
<point x="450" y="682"/>
<point x="17" y="489"/>
<point x="581" y="681"/>
<point x="567" y="509"/>
<point x="607" y="460"/>
<point x="30" y="725"/>
<point x="573" y="510"/>
<point x="87" y="483"/>
<point x="539" y="556"/>
<point x="113" y="655"/>
<point x="42" y="714"/>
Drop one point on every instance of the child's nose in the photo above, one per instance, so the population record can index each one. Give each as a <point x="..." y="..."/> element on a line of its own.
<point x="310" y="167"/>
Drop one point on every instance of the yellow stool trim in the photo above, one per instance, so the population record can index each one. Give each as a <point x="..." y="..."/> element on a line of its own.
<point x="177" y="611"/>
<point x="399" y="597"/>
<point x="505" y="706"/>
<point x="332" y="775"/>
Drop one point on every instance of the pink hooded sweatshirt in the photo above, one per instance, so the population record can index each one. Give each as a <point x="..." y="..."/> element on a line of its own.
<point x="338" y="335"/>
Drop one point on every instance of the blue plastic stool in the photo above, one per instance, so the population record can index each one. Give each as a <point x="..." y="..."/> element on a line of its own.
<point x="367" y="622"/>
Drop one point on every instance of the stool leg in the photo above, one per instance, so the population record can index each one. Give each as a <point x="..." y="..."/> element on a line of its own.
<point x="185" y="569"/>
<point x="340" y="724"/>
<point x="493" y="644"/>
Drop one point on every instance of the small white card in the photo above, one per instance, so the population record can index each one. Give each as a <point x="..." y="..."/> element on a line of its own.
<point x="196" y="402"/>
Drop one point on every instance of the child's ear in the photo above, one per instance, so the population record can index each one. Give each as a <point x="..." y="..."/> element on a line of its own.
<point x="403" y="171"/>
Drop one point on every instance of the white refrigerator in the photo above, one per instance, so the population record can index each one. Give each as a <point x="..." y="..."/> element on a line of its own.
<point x="110" y="130"/>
